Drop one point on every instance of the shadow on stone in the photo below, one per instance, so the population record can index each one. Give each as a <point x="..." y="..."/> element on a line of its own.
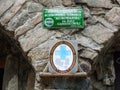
<point x="70" y="83"/>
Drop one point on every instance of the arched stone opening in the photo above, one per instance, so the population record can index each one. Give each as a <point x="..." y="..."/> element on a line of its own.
<point x="16" y="72"/>
<point x="116" y="58"/>
<point x="107" y="64"/>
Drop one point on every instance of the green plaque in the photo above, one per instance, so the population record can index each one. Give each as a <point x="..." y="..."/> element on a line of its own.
<point x="63" y="18"/>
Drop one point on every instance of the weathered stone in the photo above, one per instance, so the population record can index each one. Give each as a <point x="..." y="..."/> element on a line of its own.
<point x="86" y="12"/>
<point x="11" y="70"/>
<point x="5" y="5"/>
<point x="68" y="31"/>
<point x="113" y="16"/>
<point x="98" y="33"/>
<point x="12" y="86"/>
<point x="14" y="9"/>
<point x="39" y="65"/>
<point x="88" y="53"/>
<point x="107" y="24"/>
<point x="87" y="42"/>
<point x="34" y="37"/>
<point x="18" y="20"/>
<point x="40" y="52"/>
<point x="98" y="11"/>
<point x="30" y="23"/>
<point x="58" y="35"/>
<point x="98" y="86"/>
<point x="91" y="21"/>
<point x="96" y="3"/>
<point x="118" y="1"/>
<point x="35" y="7"/>
<point x="67" y="2"/>
<point x="51" y="3"/>
<point x="63" y="83"/>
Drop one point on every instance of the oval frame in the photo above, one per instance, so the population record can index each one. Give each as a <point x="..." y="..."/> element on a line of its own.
<point x="73" y="52"/>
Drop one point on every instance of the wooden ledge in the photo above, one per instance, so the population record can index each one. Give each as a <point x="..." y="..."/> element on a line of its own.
<point x="46" y="74"/>
<point x="50" y="75"/>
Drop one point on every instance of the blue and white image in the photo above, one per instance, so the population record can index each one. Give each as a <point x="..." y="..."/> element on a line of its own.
<point x="62" y="57"/>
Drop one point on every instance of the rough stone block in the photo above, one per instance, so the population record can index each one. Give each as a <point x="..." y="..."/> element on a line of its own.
<point x="18" y="20"/>
<point x="40" y="52"/>
<point x="67" y="2"/>
<point x="107" y="24"/>
<point x="39" y="65"/>
<point x="96" y="3"/>
<point x="98" y="33"/>
<point x="113" y="16"/>
<point x="87" y="42"/>
<point x="34" y="37"/>
<point x="5" y="5"/>
<point x="88" y="53"/>
<point x="50" y="3"/>
<point x="86" y="12"/>
<point x="35" y="7"/>
<point x="30" y="23"/>
<point x="13" y="10"/>
<point x="98" y="11"/>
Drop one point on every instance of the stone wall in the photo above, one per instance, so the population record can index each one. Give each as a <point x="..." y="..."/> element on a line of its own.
<point x="95" y="41"/>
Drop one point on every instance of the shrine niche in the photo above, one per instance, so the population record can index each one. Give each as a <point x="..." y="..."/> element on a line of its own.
<point x="63" y="59"/>
<point x="63" y="66"/>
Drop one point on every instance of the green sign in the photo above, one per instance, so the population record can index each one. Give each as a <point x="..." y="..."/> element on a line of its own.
<point x="63" y="18"/>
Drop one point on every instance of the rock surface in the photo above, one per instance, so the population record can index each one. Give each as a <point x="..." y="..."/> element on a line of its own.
<point x="96" y="3"/>
<point x="67" y="2"/>
<point x="34" y="37"/>
<point x="107" y="24"/>
<point x="13" y="10"/>
<point x="51" y="3"/>
<point x="35" y="7"/>
<point x="89" y="54"/>
<point x="97" y="32"/>
<point x="40" y="52"/>
<point x="113" y="16"/>
<point x="87" y="42"/>
<point x="18" y="20"/>
<point x="5" y="5"/>
<point x="30" y="23"/>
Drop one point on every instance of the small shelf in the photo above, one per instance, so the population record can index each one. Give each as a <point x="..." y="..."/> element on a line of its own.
<point x="46" y="74"/>
<point x="79" y="74"/>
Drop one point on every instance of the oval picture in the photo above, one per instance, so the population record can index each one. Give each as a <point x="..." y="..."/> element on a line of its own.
<point x="63" y="57"/>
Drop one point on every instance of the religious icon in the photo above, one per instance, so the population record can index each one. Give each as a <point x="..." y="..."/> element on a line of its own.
<point x="63" y="57"/>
